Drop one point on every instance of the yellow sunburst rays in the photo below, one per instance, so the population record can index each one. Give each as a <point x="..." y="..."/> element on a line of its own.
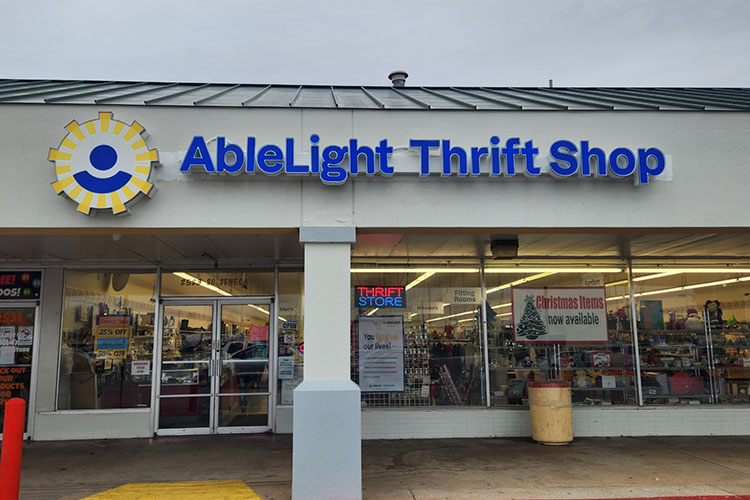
<point x="138" y="163"/>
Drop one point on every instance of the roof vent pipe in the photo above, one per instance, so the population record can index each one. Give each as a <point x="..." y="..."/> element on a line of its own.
<point x="398" y="78"/>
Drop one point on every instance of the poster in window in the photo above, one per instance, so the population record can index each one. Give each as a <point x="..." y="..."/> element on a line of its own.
<point x="25" y="335"/>
<point x="381" y="353"/>
<point x="112" y="337"/>
<point x="7" y="355"/>
<point x="258" y="332"/>
<point x="286" y="367"/>
<point x="7" y="335"/>
<point x="20" y="285"/>
<point x="559" y="315"/>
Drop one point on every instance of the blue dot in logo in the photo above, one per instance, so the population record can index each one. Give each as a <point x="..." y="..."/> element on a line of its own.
<point x="103" y="157"/>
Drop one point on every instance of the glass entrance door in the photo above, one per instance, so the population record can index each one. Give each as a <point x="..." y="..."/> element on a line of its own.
<point x="214" y="366"/>
<point x="243" y="382"/>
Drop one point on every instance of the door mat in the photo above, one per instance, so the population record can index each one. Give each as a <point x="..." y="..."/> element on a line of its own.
<point x="193" y="490"/>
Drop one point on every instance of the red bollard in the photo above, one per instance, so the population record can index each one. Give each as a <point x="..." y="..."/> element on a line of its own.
<point x="10" y="460"/>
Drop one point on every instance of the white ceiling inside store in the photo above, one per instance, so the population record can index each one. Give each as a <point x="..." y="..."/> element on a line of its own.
<point x="150" y="248"/>
<point x="556" y="245"/>
<point x="270" y="248"/>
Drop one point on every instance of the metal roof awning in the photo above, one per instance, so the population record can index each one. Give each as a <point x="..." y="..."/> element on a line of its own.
<point x="373" y="97"/>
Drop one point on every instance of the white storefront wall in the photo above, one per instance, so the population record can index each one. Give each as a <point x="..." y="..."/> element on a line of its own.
<point x="707" y="149"/>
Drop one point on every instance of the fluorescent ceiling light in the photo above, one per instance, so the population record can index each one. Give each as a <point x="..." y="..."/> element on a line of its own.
<point x="376" y="270"/>
<point x="643" y="278"/>
<point x="507" y="304"/>
<point x="733" y="270"/>
<point x="619" y="297"/>
<point x="683" y="288"/>
<point x="450" y="316"/>
<point x="373" y="311"/>
<point x="614" y="283"/>
<point x="265" y="311"/>
<point x="522" y="270"/>
<point x="420" y="280"/>
<point x="464" y="313"/>
<point x="654" y="276"/>
<point x="527" y="270"/>
<point x="518" y="282"/>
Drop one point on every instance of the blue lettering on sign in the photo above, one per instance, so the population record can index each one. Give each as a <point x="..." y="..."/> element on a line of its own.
<point x="335" y="164"/>
<point x="380" y="301"/>
<point x="566" y="164"/>
<point x="112" y="343"/>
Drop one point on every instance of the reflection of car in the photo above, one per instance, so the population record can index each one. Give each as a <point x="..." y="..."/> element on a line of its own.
<point x="253" y="356"/>
<point x="192" y="340"/>
<point x="232" y="347"/>
<point x="251" y="370"/>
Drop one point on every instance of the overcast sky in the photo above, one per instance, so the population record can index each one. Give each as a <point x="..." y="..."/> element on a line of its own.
<point x="458" y="42"/>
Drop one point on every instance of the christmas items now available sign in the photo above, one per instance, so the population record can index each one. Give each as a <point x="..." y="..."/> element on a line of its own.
<point x="559" y="315"/>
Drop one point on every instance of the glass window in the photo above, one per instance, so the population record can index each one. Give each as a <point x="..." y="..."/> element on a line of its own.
<point x="107" y="340"/>
<point x="693" y="334"/>
<point x="560" y="323"/>
<point x="16" y="347"/>
<point x="214" y="283"/>
<point x="291" y="335"/>
<point x="416" y="336"/>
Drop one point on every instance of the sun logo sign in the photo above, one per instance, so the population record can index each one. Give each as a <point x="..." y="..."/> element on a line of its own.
<point x="103" y="164"/>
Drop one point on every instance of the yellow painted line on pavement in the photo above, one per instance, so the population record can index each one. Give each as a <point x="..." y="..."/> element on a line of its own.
<point x="193" y="490"/>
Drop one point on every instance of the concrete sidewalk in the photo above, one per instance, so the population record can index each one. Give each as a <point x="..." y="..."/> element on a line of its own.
<point x="406" y="469"/>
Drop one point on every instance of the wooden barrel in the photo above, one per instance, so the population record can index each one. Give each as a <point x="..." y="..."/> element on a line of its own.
<point x="551" y="411"/>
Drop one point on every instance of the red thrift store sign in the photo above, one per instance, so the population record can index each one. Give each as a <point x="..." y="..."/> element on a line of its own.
<point x="556" y="315"/>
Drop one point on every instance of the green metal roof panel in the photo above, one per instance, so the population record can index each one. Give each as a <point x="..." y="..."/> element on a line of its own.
<point x="374" y="97"/>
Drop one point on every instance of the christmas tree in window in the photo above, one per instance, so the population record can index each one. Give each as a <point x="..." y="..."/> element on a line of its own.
<point x="531" y="325"/>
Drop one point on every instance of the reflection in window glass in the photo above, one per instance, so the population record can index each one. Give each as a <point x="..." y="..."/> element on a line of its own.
<point x="693" y="335"/>
<point x="16" y="346"/>
<point x="187" y="337"/>
<point x="187" y="333"/>
<point x="243" y="353"/>
<point x="416" y="337"/>
<point x="291" y="335"/>
<point x="560" y="324"/>
<point x="107" y="340"/>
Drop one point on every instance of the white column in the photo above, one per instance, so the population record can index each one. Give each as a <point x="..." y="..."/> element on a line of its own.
<point x="327" y="457"/>
<point x="327" y="311"/>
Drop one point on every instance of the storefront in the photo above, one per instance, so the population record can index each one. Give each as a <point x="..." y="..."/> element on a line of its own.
<point x="414" y="255"/>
